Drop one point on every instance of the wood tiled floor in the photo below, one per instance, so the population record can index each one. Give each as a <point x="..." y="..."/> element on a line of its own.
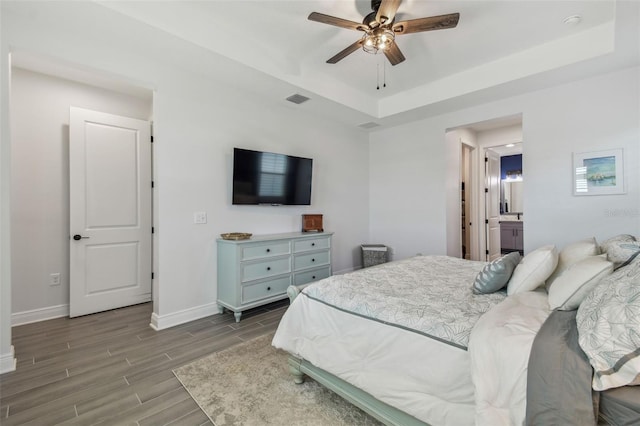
<point x="111" y="368"/>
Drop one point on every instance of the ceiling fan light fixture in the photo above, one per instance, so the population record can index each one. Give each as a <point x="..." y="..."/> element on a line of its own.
<point x="380" y="29"/>
<point x="377" y="40"/>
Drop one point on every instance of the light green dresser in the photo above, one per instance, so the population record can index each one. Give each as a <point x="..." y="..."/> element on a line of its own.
<point x="258" y="271"/>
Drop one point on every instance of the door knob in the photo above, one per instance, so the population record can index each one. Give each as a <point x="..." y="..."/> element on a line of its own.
<point x="78" y="237"/>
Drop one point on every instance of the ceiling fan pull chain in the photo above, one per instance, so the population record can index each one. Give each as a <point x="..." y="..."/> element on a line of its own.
<point x="384" y="74"/>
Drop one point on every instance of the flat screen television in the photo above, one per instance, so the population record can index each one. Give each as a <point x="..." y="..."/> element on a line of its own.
<point x="270" y="178"/>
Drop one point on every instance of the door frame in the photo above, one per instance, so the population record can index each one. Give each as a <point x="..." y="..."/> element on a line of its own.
<point x="76" y="72"/>
<point x="471" y="198"/>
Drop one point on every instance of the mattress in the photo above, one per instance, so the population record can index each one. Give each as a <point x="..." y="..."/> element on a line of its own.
<point x="398" y="331"/>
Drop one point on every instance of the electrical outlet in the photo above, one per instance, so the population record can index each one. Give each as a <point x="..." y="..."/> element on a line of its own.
<point x="200" y="217"/>
<point x="54" y="279"/>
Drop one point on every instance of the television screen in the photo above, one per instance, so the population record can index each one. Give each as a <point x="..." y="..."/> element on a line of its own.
<point x="269" y="178"/>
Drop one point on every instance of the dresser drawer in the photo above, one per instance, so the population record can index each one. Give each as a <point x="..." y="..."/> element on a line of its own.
<point x="265" y="250"/>
<point x="313" y="275"/>
<point x="310" y="244"/>
<point x="265" y="269"/>
<point x="265" y="289"/>
<point x="303" y="261"/>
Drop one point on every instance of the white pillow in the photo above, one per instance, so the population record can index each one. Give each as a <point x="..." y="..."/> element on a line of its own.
<point x="533" y="270"/>
<point x="573" y="253"/>
<point x="573" y="285"/>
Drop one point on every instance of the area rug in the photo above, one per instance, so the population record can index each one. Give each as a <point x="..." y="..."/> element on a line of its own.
<point x="250" y="384"/>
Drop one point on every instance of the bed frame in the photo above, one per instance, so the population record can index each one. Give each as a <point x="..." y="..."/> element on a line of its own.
<point x="385" y="413"/>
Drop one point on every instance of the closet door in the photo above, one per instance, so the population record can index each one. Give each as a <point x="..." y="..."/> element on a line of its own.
<point x="110" y="211"/>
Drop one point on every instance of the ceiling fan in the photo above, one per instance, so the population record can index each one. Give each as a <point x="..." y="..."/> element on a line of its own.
<point x="380" y="29"/>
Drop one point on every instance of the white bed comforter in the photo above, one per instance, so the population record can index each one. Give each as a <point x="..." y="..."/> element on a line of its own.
<point x="499" y="348"/>
<point x="424" y="377"/>
<point x="427" y="375"/>
<point x="430" y="295"/>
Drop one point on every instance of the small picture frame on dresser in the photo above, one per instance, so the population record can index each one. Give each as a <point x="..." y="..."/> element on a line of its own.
<point x="312" y="223"/>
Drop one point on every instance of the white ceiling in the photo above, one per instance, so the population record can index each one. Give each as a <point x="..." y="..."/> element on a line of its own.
<point x="499" y="47"/>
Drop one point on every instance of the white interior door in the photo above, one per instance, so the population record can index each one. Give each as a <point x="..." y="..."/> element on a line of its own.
<point x="110" y="211"/>
<point x="492" y="204"/>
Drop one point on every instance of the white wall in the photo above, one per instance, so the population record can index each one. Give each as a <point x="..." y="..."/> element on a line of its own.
<point x="40" y="184"/>
<point x="499" y="136"/>
<point x="407" y="200"/>
<point x="7" y="358"/>
<point x="204" y="105"/>
<point x="197" y="127"/>
<point x="591" y="115"/>
<point x="409" y="186"/>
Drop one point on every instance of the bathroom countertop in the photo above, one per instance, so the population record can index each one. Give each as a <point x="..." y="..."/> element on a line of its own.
<point x="511" y="218"/>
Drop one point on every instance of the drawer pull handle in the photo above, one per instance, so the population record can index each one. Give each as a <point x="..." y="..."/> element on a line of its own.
<point x="268" y="250"/>
<point x="313" y="277"/>
<point x="268" y="288"/>
<point x="313" y="244"/>
<point x="313" y="260"/>
<point x="268" y="268"/>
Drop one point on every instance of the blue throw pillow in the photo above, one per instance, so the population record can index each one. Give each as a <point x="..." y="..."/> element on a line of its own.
<point x="495" y="275"/>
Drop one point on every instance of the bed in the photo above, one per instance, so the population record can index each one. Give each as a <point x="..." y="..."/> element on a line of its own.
<point x="410" y="342"/>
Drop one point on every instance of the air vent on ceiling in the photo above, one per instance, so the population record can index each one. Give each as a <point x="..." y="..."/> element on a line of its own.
<point x="369" y="125"/>
<point x="297" y="99"/>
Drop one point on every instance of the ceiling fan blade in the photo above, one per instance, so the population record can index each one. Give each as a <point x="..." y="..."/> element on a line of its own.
<point x="393" y="54"/>
<point x="426" y="24"/>
<point x="338" y="22"/>
<point x="387" y="11"/>
<point x="345" y="52"/>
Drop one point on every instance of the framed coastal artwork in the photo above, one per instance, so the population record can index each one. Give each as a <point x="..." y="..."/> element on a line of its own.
<point x="598" y="173"/>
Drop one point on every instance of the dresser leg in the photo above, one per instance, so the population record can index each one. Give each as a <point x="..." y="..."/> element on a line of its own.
<point x="237" y="315"/>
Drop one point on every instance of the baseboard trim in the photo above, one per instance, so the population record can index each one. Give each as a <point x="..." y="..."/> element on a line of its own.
<point x="160" y="322"/>
<point x="345" y="271"/>
<point x="42" y="314"/>
<point x="8" y="361"/>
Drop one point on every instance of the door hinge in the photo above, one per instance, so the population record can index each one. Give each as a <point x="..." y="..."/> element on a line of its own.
<point x="153" y="184"/>
<point x="152" y="275"/>
<point x="486" y="251"/>
<point x="151" y="138"/>
<point x="486" y="190"/>
<point x="153" y="230"/>
<point x="486" y="221"/>
<point x="486" y="159"/>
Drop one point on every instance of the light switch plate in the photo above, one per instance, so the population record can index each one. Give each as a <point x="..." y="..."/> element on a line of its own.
<point x="200" y="217"/>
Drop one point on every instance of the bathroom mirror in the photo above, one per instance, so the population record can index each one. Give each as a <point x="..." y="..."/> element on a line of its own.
<point x="511" y="197"/>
